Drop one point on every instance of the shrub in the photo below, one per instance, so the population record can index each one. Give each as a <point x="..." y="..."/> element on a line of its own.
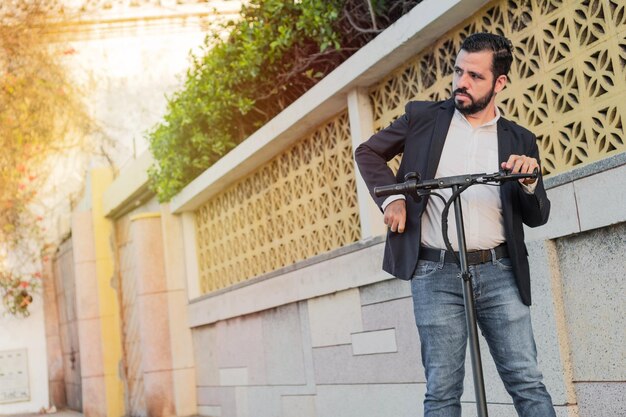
<point x="272" y="55"/>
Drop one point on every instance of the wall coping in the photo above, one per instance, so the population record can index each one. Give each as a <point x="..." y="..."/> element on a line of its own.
<point x="586" y="170"/>
<point x="351" y="267"/>
<point x="130" y="189"/>
<point x="323" y="257"/>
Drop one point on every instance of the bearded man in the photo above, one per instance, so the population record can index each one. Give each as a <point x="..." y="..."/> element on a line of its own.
<point x="463" y="135"/>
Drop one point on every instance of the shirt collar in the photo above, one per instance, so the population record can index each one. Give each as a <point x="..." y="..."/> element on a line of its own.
<point x="492" y="122"/>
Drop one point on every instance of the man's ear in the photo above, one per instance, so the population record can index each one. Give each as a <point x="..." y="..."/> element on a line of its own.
<point x="500" y="83"/>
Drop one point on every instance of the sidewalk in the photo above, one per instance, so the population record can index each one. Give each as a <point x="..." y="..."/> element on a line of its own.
<point x="60" y="413"/>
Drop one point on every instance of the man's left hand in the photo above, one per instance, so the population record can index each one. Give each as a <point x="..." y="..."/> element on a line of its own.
<point x="522" y="164"/>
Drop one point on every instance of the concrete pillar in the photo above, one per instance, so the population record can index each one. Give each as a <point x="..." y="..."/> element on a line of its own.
<point x="361" y="116"/>
<point x="154" y="314"/>
<point x="192" y="271"/>
<point x="56" y="380"/>
<point x="183" y="361"/>
<point x="88" y="316"/>
<point x="97" y="306"/>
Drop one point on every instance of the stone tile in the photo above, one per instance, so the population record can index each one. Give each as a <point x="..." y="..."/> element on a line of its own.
<point x="298" y="406"/>
<point x="158" y="393"/>
<point x="334" y="317"/>
<point x="259" y="401"/>
<point x="87" y="302"/>
<point x="210" y="411"/>
<point x="233" y="377"/>
<point x="592" y="270"/>
<point x="548" y="335"/>
<point x="606" y="399"/>
<point x="91" y="359"/>
<point x="185" y="398"/>
<point x="205" y="344"/>
<point x="67" y="369"/>
<point x="283" y="349"/>
<point x="94" y="397"/>
<point x="148" y="253"/>
<point x="387" y="290"/>
<point x="180" y="334"/>
<point x="241" y="400"/>
<point x="83" y="242"/>
<point x="74" y="337"/>
<point x="74" y="396"/>
<point x="563" y="220"/>
<point x="375" y="400"/>
<point x="173" y="250"/>
<point x="307" y="348"/>
<point x="337" y="365"/>
<point x="398" y="314"/>
<point x="601" y="198"/>
<point x="122" y="230"/>
<point x="376" y="341"/>
<point x="240" y="344"/>
<point x="280" y="401"/>
<point x="218" y="397"/>
<point x="57" y="393"/>
<point x="55" y="358"/>
<point x="154" y="332"/>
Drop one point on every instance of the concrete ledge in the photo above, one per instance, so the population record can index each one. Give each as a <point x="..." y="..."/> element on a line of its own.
<point x="586" y="170"/>
<point x="585" y="198"/>
<point x="352" y="267"/>
<point x="130" y="189"/>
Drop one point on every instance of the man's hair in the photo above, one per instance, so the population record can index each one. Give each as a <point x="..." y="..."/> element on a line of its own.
<point x="499" y="45"/>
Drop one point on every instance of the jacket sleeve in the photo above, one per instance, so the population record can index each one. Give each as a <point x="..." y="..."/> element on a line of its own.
<point x="372" y="155"/>
<point x="535" y="207"/>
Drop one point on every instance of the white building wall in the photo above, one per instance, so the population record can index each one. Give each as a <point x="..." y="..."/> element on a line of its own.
<point x="29" y="334"/>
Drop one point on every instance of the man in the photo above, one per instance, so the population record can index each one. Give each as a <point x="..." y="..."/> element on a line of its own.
<point x="465" y="135"/>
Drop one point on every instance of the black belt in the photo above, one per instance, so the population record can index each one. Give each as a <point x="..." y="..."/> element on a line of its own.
<point x="473" y="258"/>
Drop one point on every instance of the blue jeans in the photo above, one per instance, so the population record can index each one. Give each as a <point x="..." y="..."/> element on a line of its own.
<point x="504" y="322"/>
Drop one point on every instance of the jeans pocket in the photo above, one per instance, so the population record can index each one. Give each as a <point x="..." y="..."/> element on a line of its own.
<point x="425" y="268"/>
<point x="504" y="264"/>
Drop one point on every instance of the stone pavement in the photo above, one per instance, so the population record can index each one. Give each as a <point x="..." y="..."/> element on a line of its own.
<point x="60" y="413"/>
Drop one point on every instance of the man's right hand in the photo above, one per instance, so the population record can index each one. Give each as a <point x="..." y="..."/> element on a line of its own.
<point x="395" y="216"/>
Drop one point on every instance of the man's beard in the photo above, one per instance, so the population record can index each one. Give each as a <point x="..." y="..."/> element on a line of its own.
<point x="475" y="105"/>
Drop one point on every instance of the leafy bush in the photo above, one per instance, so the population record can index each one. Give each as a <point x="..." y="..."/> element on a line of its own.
<point x="272" y="55"/>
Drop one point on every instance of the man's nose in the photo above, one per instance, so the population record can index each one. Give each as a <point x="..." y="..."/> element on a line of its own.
<point x="462" y="81"/>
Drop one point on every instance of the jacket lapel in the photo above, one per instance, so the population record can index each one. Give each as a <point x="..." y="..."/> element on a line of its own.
<point x="505" y="149"/>
<point x="505" y="141"/>
<point x="440" y="131"/>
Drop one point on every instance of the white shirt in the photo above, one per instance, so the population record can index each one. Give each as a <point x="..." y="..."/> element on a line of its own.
<point x="467" y="150"/>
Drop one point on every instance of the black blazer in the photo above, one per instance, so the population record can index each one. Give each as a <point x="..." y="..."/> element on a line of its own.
<point x="420" y="135"/>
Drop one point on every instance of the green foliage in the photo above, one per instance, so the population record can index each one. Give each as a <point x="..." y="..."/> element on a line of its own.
<point x="272" y="55"/>
<point x="42" y="116"/>
<point x="217" y="107"/>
